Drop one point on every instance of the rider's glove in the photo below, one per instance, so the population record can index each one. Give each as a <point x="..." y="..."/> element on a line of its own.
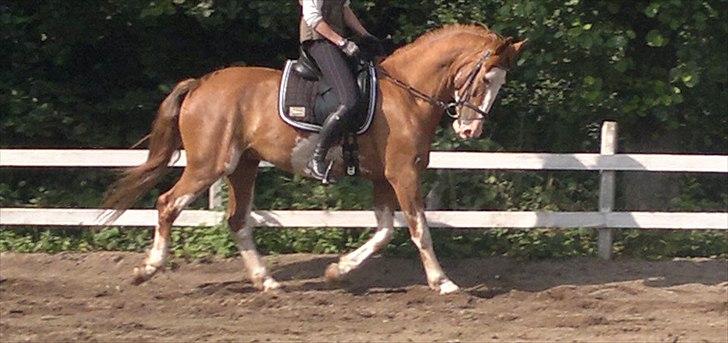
<point x="375" y="44"/>
<point x="349" y="48"/>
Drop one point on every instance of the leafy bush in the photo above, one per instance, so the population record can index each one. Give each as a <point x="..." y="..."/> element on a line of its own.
<point x="196" y="243"/>
<point x="657" y="67"/>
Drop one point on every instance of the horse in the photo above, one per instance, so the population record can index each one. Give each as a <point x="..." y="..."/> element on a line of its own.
<point x="227" y="123"/>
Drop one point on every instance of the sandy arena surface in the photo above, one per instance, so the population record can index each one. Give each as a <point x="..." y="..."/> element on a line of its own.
<point x="87" y="297"/>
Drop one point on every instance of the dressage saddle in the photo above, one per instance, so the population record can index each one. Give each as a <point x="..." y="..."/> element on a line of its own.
<point x="306" y="67"/>
<point x="308" y="99"/>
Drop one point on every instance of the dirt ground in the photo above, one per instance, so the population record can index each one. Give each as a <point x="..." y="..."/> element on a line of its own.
<point x="87" y="297"/>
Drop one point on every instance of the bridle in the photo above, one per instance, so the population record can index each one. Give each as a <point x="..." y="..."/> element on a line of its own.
<point x="448" y="105"/>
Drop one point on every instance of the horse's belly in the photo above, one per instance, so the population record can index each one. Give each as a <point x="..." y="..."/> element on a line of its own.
<point x="301" y="151"/>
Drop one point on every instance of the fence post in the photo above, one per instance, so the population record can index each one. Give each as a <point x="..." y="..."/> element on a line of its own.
<point x="606" y="188"/>
<point x="214" y="199"/>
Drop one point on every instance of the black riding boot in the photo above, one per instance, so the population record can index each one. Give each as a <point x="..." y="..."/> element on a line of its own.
<point x="330" y="133"/>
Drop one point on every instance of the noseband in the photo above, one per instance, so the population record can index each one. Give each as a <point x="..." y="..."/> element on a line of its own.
<point x="449" y="105"/>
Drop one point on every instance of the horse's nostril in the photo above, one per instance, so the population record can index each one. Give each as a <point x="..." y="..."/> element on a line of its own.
<point x="468" y="132"/>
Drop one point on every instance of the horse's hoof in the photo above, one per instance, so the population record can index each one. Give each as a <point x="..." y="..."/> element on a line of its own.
<point x="271" y="285"/>
<point x="139" y="276"/>
<point x="448" y="287"/>
<point x="142" y="274"/>
<point x="332" y="273"/>
<point x="266" y="284"/>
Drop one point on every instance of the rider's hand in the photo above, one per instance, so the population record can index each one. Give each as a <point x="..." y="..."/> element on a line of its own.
<point x="375" y="44"/>
<point x="349" y="48"/>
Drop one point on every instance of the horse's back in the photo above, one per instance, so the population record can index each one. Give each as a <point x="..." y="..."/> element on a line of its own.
<point x="239" y="77"/>
<point x="225" y="89"/>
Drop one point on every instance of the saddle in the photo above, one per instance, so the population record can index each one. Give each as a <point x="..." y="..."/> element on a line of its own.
<point x="305" y="100"/>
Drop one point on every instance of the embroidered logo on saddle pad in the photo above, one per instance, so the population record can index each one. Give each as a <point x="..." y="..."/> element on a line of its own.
<point x="297" y="112"/>
<point x="304" y="104"/>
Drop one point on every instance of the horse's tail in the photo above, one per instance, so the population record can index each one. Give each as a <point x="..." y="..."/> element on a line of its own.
<point x="164" y="141"/>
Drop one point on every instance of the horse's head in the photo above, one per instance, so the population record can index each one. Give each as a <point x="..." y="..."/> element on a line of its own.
<point x="477" y="83"/>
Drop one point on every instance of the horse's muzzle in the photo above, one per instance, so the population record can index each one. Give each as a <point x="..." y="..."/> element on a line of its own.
<point x="468" y="129"/>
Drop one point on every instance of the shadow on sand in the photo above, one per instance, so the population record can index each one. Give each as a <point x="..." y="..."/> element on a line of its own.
<point x="489" y="277"/>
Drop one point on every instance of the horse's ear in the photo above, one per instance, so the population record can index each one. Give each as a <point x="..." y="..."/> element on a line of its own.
<point x="506" y="42"/>
<point x="518" y="46"/>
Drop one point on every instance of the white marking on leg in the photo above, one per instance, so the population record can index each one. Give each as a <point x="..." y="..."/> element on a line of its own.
<point x="244" y="240"/>
<point x="385" y="230"/>
<point x="256" y="268"/>
<point x="436" y="278"/>
<point x="156" y="256"/>
<point x="181" y="202"/>
<point x="158" y="252"/>
<point x="160" y="247"/>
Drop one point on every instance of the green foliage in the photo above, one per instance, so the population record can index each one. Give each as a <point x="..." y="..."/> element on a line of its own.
<point x="657" y="245"/>
<point x="201" y="243"/>
<point x="82" y="240"/>
<point x="87" y="74"/>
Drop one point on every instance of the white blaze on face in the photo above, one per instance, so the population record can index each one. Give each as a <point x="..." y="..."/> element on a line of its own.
<point x="466" y="129"/>
<point x="496" y="78"/>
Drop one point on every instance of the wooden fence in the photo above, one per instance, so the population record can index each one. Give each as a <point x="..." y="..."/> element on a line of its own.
<point x="607" y="162"/>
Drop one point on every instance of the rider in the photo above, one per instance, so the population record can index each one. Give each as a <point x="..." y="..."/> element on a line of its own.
<point x="323" y="29"/>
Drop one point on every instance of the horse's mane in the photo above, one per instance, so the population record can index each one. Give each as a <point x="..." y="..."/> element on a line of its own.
<point x="446" y="31"/>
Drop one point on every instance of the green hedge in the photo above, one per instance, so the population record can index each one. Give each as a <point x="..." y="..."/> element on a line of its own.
<point x="657" y="67"/>
<point x="198" y="243"/>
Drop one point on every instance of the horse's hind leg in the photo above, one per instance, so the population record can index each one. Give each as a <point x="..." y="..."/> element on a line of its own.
<point x="242" y="184"/>
<point x="169" y="205"/>
<point x="384" y="206"/>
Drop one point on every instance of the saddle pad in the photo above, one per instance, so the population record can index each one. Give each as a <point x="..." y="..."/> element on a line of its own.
<point x="300" y="101"/>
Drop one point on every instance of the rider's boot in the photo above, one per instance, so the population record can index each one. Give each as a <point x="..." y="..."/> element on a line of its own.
<point x="330" y="133"/>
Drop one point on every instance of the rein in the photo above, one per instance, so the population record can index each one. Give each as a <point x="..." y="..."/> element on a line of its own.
<point x="447" y="106"/>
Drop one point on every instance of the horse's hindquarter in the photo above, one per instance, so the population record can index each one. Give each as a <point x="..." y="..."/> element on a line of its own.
<point x="239" y="107"/>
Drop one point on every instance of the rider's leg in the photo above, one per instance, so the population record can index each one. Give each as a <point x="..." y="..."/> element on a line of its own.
<point x="330" y="133"/>
<point x="337" y="73"/>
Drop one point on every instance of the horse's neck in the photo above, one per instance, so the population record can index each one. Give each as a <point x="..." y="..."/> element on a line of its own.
<point x="427" y="69"/>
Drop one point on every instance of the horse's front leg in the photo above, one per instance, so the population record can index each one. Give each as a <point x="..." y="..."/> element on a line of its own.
<point x="384" y="205"/>
<point x="406" y="183"/>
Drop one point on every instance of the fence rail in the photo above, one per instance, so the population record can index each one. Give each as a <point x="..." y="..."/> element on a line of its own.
<point x="606" y="162"/>
<point x="353" y="219"/>
<point x="109" y="158"/>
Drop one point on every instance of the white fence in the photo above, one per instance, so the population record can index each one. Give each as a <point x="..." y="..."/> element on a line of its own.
<point x="607" y="162"/>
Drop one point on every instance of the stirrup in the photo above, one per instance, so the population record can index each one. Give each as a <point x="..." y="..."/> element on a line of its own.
<point x="326" y="178"/>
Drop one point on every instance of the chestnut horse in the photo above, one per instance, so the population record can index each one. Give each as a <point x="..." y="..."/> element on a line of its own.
<point x="227" y="122"/>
